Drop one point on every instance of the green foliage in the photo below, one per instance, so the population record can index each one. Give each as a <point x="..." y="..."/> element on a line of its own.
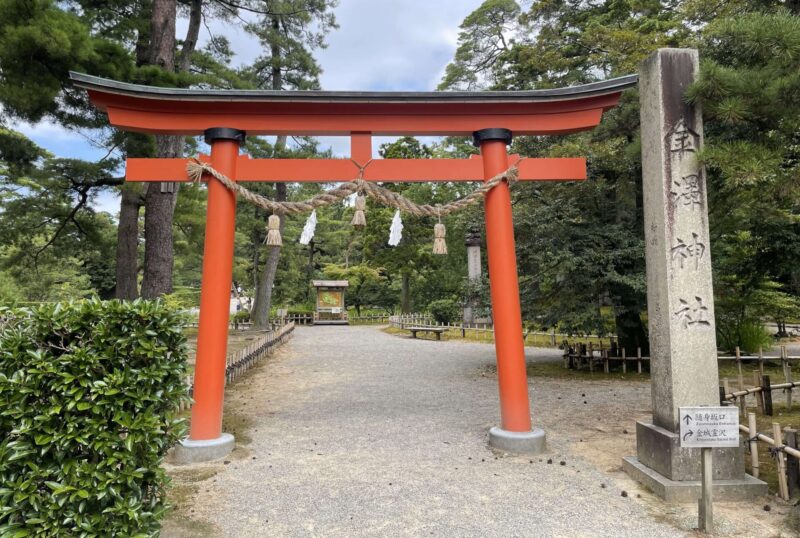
<point x="445" y="310"/>
<point x="289" y="33"/>
<point x="56" y="246"/>
<point x="749" y="335"/>
<point x="364" y="283"/>
<point x="580" y="246"/>
<point x="483" y="43"/>
<point x="39" y="44"/>
<point x="182" y="299"/>
<point x="88" y="398"/>
<point x="240" y="317"/>
<point x="9" y="293"/>
<point x="749" y="88"/>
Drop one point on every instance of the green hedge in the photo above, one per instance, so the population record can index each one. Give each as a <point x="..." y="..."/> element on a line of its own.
<point x="88" y="400"/>
<point x="445" y="310"/>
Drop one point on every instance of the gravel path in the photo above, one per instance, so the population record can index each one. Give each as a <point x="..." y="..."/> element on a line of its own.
<point x="354" y="432"/>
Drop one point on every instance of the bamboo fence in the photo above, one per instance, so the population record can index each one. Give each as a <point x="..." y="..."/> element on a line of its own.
<point x="240" y="361"/>
<point x="781" y="445"/>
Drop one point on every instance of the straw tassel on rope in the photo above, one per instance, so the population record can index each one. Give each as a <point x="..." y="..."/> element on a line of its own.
<point x="439" y="231"/>
<point x="274" y="231"/>
<point x="359" y="219"/>
<point x="439" y="244"/>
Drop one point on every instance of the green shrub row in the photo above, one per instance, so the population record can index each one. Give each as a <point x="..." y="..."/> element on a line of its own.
<point x="88" y="400"/>
<point x="445" y="310"/>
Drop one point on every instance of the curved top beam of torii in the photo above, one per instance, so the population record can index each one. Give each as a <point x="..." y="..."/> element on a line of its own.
<point x="327" y="113"/>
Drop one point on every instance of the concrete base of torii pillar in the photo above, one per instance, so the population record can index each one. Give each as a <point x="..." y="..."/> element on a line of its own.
<point x="680" y="297"/>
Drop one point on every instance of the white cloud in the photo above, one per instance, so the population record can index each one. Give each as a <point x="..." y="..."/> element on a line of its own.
<point x="46" y="130"/>
<point x="380" y="44"/>
<point x="392" y="44"/>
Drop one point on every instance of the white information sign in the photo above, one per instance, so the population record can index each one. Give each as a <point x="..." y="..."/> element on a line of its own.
<point x="713" y="427"/>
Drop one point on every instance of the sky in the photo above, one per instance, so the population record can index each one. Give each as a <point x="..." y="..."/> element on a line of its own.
<point x="381" y="45"/>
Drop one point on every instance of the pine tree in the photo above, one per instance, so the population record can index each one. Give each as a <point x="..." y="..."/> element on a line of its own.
<point x="749" y="89"/>
<point x="289" y="30"/>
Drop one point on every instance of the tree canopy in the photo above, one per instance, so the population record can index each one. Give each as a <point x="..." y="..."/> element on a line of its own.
<point x="580" y="245"/>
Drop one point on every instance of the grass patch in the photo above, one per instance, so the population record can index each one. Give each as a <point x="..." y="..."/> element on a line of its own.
<point x="194" y="475"/>
<point x="179" y="523"/>
<point x="237" y="424"/>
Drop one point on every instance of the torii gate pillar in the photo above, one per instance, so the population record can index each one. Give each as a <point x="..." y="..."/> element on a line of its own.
<point x="515" y="434"/>
<point x="206" y="440"/>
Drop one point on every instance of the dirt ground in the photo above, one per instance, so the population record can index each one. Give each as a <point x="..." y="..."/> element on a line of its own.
<point x="590" y="426"/>
<point x="607" y="432"/>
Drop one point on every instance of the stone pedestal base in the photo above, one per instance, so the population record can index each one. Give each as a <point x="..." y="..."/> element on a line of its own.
<point x="673" y="473"/>
<point x="532" y="442"/>
<point x="189" y="451"/>
<point x="660" y="449"/>
<point x="688" y="491"/>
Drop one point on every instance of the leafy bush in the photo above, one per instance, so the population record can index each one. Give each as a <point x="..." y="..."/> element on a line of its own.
<point x="444" y="310"/>
<point x="749" y="335"/>
<point x="242" y="316"/>
<point x="88" y="394"/>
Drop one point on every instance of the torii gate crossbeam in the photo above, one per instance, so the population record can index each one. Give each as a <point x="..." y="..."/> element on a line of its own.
<point x="224" y="116"/>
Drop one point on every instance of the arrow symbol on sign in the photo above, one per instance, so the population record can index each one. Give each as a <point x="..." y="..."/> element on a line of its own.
<point x="687" y="418"/>
<point x="688" y="434"/>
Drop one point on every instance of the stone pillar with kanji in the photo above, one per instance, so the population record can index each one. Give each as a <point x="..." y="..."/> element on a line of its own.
<point x="473" y="243"/>
<point x="680" y="295"/>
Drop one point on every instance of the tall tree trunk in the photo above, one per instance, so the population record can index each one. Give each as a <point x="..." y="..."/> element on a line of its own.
<point x="628" y="321"/>
<point x="192" y="33"/>
<point x="162" y="34"/>
<point x="405" y="294"/>
<point x="161" y="198"/>
<point x="263" y="301"/>
<point x="132" y="198"/>
<point x="128" y="242"/>
<point x="159" y="209"/>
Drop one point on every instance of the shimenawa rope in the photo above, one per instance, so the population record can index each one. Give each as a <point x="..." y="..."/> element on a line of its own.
<point x="196" y="168"/>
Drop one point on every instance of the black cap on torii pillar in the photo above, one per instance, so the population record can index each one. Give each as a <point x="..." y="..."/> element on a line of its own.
<point x="491" y="134"/>
<point x="224" y="133"/>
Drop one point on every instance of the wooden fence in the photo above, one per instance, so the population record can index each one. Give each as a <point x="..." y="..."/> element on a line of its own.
<point x="238" y="362"/>
<point x="609" y="357"/>
<point x="297" y="319"/>
<point x="485" y="331"/>
<point x="374" y="319"/>
<point x="783" y="443"/>
<point x="761" y="387"/>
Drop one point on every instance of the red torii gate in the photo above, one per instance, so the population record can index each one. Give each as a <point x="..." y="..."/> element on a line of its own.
<point x="224" y="116"/>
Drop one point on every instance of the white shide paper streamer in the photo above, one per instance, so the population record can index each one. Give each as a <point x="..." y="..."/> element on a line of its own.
<point x="396" y="231"/>
<point x="309" y="228"/>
